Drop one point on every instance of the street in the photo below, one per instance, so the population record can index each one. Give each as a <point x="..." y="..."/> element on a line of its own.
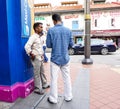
<point x="112" y="59"/>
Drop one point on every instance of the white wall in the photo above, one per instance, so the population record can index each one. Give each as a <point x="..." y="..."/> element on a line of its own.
<point x="67" y="22"/>
<point x="109" y="1"/>
<point x="104" y="20"/>
<point x="73" y="17"/>
<point x="81" y="2"/>
<point x="55" y="2"/>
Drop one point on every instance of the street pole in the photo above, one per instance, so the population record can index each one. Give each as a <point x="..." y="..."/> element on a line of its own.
<point x="87" y="47"/>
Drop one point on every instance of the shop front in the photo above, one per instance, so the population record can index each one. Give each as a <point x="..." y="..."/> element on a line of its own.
<point x="77" y="36"/>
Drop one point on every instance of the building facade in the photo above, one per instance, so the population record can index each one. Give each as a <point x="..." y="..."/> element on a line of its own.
<point x="105" y="18"/>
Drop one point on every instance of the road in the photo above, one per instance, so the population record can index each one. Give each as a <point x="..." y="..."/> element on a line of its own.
<point x="112" y="59"/>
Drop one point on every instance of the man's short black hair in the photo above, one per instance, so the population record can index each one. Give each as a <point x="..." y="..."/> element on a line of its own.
<point x="36" y="25"/>
<point x="56" y="17"/>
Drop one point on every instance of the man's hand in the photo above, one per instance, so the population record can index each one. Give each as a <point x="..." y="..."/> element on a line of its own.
<point x="32" y="56"/>
<point x="42" y="57"/>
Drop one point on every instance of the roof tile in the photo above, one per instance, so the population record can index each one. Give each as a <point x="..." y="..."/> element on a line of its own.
<point x="76" y="7"/>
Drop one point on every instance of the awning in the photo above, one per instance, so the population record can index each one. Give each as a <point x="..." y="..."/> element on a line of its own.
<point x="105" y="32"/>
<point x="77" y="32"/>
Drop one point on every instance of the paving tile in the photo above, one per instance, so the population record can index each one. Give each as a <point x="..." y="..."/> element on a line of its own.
<point x="117" y="101"/>
<point x="81" y="97"/>
<point x="103" y="95"/>
<point x="4" y="105"/>
<point x="44" y="104"/>
<point x="93" y="107"/>
<point x="105" y="107"/>
<point x="98" y="104"/>
<point x="28" y="102"/>
<point x="105" y="101"/>
<point x="76" y="104"/>
<point x="24" y="106"/>
<point x="92" y="99"/>
<point x="104" y="83"/>
<point x="40" y="108"/>
<point x="96" y="97"/>
<point x="114" y="106"/>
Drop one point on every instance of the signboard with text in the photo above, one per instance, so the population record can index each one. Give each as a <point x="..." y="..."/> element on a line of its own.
<point x="26" y="19"/>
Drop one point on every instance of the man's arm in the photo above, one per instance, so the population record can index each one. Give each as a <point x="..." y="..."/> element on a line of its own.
<point x="28" y="47"/>
<point x="48" y="40"/>
<point x="29" y="44"/>
<point x="71" y="43"/>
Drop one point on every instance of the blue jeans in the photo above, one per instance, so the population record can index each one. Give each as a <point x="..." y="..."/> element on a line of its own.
<point x="45" y="57"/>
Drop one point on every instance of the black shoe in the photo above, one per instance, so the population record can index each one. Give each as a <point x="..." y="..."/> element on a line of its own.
<point x="40" y="92"/>
<point x="50" y="101"/>
<point x="45" y="86"/>
<point x="68" y="100"/>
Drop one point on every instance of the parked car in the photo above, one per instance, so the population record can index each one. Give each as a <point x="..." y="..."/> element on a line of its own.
<point x="97" y="46"/>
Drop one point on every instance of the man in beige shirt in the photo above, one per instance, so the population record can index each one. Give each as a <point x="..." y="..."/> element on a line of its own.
<point x="34" y="49"/>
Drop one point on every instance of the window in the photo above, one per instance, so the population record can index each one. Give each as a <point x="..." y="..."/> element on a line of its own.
<point x="112" y="22"/>
<point x="95" y="22"/>
<point x="75" y="25"/>
<point x="99" y="1"/>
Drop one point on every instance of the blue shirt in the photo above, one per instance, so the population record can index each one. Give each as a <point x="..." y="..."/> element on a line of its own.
<point x="59" y="38"/>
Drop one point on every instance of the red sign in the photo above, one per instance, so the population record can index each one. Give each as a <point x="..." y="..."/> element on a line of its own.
<point x="71" y="16"/>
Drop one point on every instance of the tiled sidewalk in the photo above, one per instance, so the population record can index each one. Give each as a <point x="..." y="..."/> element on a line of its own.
<point x="79" y="90"/>
<point x="104" y="86"/>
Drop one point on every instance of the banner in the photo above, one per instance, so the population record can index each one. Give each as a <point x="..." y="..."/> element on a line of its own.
<point x="27" y="17"/>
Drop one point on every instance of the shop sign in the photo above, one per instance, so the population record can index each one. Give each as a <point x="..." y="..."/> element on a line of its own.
<point x="77" y="33"/>
<point x="39" y="18"/>
<point x="71" y="16"/>
<point x="26" y="18"/>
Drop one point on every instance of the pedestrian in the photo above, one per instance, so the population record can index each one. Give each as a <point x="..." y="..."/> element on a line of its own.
<point x="59" y="38"/>
<point x="44" y="47"/>
<point x="34" y="49"/>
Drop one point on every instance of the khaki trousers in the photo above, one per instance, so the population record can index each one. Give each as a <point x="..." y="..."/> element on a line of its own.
<point x="39" y="73"/>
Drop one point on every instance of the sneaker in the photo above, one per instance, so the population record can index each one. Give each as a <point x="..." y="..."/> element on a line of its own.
<point x="51" y="102"/>
<point x="45" y="86"/>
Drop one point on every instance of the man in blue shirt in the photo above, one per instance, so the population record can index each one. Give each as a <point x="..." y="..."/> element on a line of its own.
<point x="59" y="38"/>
